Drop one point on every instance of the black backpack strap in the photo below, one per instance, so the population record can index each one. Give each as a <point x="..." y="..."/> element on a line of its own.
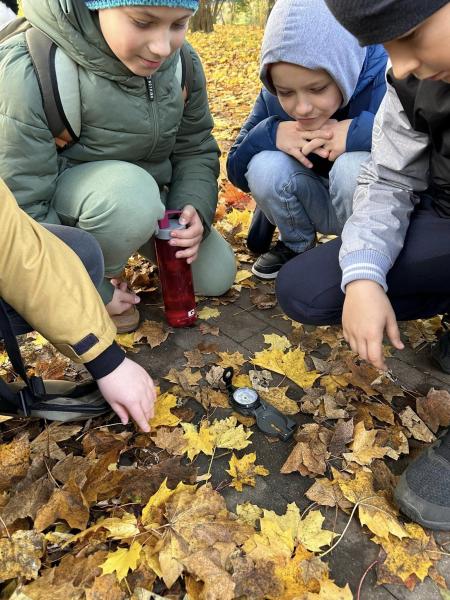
<point x="187" y="70"/>
<point x="42" y="52"/>
<point x="34" y="386"/>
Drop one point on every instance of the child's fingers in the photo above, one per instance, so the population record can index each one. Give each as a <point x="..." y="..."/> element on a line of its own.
<point x="312" y="146"/>
<point x="322" y="152"/>
<point x="138" y="416"/>
<point x="301" y="158"/>
<point x="187" y="214"/>
<point x="186" y="242"/>
<point x="188" y="253"/>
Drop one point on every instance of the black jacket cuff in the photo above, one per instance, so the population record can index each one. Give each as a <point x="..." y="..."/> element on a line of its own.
<point x="106" y="362"/>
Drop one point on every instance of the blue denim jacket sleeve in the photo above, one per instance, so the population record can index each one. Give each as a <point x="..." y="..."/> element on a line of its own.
<point x="257" y="134"/>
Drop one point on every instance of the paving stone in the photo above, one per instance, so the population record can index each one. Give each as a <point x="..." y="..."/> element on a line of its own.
<point x="238" y="324"/>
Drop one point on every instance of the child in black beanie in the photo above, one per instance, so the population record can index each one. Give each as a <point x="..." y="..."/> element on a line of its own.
<point x="395" y="252"/>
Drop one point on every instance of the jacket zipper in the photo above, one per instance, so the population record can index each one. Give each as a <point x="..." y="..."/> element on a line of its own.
<point x="150" y="88"/>
<point x="151" y="96"/>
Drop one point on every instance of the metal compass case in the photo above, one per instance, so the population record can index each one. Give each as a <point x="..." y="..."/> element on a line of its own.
<point x="246" y="401"/>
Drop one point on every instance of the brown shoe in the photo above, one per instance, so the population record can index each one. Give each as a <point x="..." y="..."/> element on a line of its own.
<point x="128" y="321"/>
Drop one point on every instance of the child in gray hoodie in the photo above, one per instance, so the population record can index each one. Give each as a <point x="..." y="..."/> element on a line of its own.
<point x="300" y="150"/>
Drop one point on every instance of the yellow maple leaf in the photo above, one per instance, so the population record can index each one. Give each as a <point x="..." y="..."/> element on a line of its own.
<point x="374" y="510"/>
<point x="277" y="537"/>
<point x="198" y="440"/>
<point x="311" y="534"/>
<point x="228" y="434"/>
<point x="249" y="513"/>
<point x="408" y="556"/>
<point x="364" y="448"/>
<point x="126" y="340"/>
<point x="277" y="342"/>
<point x="228" y="359"/>
<point x="208" y="313"/>
<point x="242" y="275"/>
<point x="122" y="560"/>
<point x="239" y="217"/>
<point x="163" y="416"/>
<point x="276" y="396"/>
<point x="159" y="498"/>
<point x="332" y="383"/>
<point x="117" y="529"/>
<point x="243" y="470"/>
<point x="291" y="364"/>
<point x="330" y="591"/>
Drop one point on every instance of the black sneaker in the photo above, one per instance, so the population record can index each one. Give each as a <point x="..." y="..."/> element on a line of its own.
<point x="268" y="264"/>
<point x="423" y="492"/>
<point x="441" y="352"/>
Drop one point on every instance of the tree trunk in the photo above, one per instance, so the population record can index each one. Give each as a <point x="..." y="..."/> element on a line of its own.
<point x="203" y="19"/>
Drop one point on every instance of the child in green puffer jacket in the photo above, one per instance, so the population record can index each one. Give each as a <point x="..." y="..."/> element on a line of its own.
<point x="141" y="149"/>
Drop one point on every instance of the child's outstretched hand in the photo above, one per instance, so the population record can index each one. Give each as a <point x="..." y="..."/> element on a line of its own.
<point x="366" y="315"/>
<point x="130" y="392"/>
<point x="189" y="238"/>
<point x="293" y="141"/>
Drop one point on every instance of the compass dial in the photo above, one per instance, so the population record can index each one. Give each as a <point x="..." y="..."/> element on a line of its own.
<point x="245" y="396"/>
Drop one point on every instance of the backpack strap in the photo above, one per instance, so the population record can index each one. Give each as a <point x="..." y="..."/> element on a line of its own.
<point x="43" y="52"/>
<point x="187" y="70"/>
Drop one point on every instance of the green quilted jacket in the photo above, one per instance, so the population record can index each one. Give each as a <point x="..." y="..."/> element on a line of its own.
<point x="170" y="140"/>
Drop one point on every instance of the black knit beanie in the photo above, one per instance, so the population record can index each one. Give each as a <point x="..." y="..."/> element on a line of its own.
<point x="12" y="4"/>
<point x="379" y="21"/>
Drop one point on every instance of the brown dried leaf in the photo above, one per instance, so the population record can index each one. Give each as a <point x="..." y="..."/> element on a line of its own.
<point x="14" y="461"/>
<point x="327" y="493"/>
<point x="45" y="443"/>
<point x="170" y="439"/>
<point x="154" y="332"/>
<point x="434" y="410"/>
<point x="195" y="359"/>
<point x="67" y="503"/>
<point x="310" y="454"/>
<point x="20" y="555"/>
<point x="263" y="300"/>
<point x="342" y="435"/>
<point x="187" y="379"/>
<point x="415" y="425"/>
<point x="206" y="329"/>
<point x="102" y="441"/>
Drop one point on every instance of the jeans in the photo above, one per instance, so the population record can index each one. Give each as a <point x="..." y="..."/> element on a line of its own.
<point x="300" y="202"/>
<point x="89" y="252"/>
<point x="309" y="285"/>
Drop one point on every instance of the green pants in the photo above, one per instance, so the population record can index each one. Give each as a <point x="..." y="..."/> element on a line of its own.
<point x="119" y="203"/>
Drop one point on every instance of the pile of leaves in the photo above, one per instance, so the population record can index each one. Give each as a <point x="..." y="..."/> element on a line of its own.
<point x="98" y="511"/>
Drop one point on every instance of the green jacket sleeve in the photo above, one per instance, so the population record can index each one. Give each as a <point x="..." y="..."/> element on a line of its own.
<point x="47" y="284"/>
<point x="195" y="158"/>
<point x="28" y="158"/>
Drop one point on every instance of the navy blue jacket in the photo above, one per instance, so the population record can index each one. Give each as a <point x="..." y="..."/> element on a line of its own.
<point x="260" y="130"/>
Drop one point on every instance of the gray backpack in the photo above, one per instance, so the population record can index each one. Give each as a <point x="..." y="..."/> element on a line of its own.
<point x="57" y="76"/>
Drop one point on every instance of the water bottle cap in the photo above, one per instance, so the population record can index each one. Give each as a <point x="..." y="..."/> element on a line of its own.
<point x="166" y="225"/>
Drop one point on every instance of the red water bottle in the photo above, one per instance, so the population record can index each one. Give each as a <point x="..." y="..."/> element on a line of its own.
<point x="175" y="275"/>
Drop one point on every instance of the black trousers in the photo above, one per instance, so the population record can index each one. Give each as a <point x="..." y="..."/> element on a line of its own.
<point x="88" y="250"/>
<point x="309" y="286"/>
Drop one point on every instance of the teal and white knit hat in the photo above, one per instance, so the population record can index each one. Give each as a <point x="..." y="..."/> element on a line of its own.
<point x="99" y="4"/>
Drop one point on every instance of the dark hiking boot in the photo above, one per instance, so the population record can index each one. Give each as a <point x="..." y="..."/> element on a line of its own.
<point x="268" y="264"/>
<point x="441" y="352"/>
<point x="423" y="492"/>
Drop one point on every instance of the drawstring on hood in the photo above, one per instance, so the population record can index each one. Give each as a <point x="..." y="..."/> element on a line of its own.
<point x="305" y="33"/>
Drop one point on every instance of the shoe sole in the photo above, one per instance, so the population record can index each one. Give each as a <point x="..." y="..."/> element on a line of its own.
<point x="408" y="501"/>
<point x="264" y="275"/>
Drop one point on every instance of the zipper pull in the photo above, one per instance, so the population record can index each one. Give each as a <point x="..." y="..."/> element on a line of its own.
<point x="150" y="88"/>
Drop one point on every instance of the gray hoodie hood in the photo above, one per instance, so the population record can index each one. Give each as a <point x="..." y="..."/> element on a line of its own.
<point x="305" y="33"/>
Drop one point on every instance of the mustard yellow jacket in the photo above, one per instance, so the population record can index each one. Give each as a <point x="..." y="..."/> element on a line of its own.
<point x="47" y="284"/>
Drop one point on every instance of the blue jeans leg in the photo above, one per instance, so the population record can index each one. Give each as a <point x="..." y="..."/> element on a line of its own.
<point x="292" y="197"/>
<point x="342" y="183"/>
<point x="86" y="247"/>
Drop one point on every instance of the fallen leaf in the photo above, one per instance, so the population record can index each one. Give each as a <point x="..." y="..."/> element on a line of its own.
<point x="434" y="410"/>
<point x="310" y="454"/>
<point x="67" y="503"/>
<point x="122" y="560"/>
<point x="311" y="534"/>
<point x="243" y="471"/>
<point x="291" y="364"/>
<point x="206" y="329"/>
<point x="153" y="331"/>
<point x="14" y="461"/>
<point x="235" y="360"/>
<point x="415" y="425"/>
<point x="364" y="447"/>
<point x="163" y="416"/>
<point x="198" y="440"/>
<point x="208" y="313"/>
<point x="20" y="555"/>
<point x="277" y="397"/>
<point x="170" y="440"/>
